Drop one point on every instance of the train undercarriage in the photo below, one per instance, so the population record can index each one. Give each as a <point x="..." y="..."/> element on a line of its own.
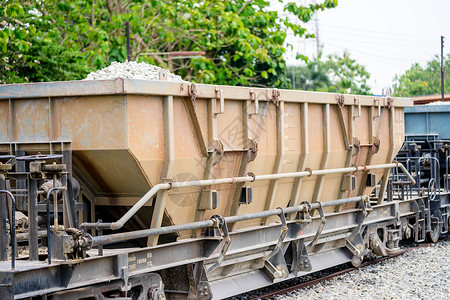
<point x="56" y="257"/>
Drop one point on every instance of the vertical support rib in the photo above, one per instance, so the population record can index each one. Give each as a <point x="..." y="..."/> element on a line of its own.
<point x="372" y="133"/>
<point x="3" y="217"/>
<point x="50" y="120"/>
<point x="278" y="160"/>
<point x="390" y="155"/>
<point x="169" y="156"/>
<point x="247" y="134"/>
<point x="304" y="137"/>
<point x="370" y="153"/>
<point x="326" y="153"/>
<point x="212" y="120"/>
<point x="11" y="123"/>
<point x="32" y="221"/>
<point x="348" y="159"/>
<point x="21" y="183"/>
<point x="212" y="135"/>
<point x="70" y="210"/>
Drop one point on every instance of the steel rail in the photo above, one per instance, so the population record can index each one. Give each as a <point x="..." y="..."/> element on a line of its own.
<point x="249" y="178"/>
<point x="329" y="276"/>
<point x="119" y="237"/>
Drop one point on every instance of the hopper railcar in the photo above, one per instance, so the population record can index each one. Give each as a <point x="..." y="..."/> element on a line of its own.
<point x="157" y="189"/>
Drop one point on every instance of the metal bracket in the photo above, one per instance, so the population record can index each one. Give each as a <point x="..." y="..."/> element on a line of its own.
<point x="356" y="146"/>
<point x="192" y="92"/>
<point x="252" y="150"/>
<point x="340" y="99"/>
<point x="303" y="215"/>
<point x="255" y="97"/>
<point x="356" y="100"/>
<point x="284" y="231"/>
<point x="221" y="102"/>
<point x="379" y="107"/>
<point x="216" y="149"/>
<point x="389" y="99"/>
<point x="301" y="262"/>
<point x="355" y="242"/>
<point x="309" y="170"/>
<point x="169" y="181"/>
<point x="223" y="226"/>
<point x="275" y="96"/>
<point x="321" y="226"/>
<point x="365" y="208"/>
<point x="125" y="276"/>
<point x="376" y="144"/>
<point x="356" y="247"/>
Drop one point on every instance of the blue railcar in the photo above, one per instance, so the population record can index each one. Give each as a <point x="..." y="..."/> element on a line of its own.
<point x="426" y="154"/>
<point x="427" y="143"/>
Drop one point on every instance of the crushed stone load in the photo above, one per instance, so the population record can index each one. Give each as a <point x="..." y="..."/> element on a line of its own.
<point x="132" y="70"/>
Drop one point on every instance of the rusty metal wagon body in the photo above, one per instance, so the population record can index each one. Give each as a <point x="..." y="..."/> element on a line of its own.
<point x="214" y="185"/>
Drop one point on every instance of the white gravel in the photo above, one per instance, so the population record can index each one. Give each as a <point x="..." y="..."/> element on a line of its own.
<point x="422" y="273"/>
<point x="133" y="70"/>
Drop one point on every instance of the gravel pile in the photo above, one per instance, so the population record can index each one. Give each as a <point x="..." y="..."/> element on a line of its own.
<point x="132" y="70"/>
<point x="422" y="273"/>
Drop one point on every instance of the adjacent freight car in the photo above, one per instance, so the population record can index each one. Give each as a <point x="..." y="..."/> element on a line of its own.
<point x="426" y="153"/>
<point x="155" y="189"/>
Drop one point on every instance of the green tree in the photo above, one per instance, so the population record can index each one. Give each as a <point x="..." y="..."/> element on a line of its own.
<point x="419" y="81"/>
<point x="312" y="76"/>
<point x="244" y="41"/>
<point x="338" y="73"/>
<point x="28" y="54"/>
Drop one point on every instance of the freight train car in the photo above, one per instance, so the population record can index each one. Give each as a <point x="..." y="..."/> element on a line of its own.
<point x="155" y="189"/>
<point x="426" y="153"/>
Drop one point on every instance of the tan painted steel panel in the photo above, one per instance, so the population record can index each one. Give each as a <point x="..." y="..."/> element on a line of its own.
<point x="117" y="130"/>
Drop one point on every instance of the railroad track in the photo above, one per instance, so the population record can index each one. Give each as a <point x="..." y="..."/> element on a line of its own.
<point x="315" y="281"/>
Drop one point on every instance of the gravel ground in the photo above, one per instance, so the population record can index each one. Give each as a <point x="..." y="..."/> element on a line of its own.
<point x="422" y="273"/>
<point x="131" y="69"/>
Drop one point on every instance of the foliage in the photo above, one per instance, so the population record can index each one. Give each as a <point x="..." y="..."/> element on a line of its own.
<point x="418" y="81"/>
<point x="339" y="74"/>
<point x="29" y="54"/>
<point x="61" y="40"/>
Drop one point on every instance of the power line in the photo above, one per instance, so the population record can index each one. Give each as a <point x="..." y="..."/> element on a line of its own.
<point x="376" y="32"/>
<point x="415" y="43"/>
<point x="394" y="56"/>
<point x="392" y="45"/>
<point x="378" y="58"/>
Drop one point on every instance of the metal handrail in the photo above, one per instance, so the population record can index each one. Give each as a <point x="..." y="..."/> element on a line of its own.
<point x="119" y="237"/>
<point x="249" y="178"/>
<point x="12" y="230"/>
<point x="446" y="172"/>
<point x="436" y="171"/>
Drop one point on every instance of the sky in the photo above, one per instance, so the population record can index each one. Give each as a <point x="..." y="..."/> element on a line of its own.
<point x="386" y="36"/>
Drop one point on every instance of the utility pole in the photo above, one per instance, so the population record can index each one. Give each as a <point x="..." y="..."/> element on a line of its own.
<point x="293" y="77"/>
<point x="317" y="36"/>
<point x="442" y="67"/>
<point x="127" y="28"/>
<point x="316" y="21"/>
